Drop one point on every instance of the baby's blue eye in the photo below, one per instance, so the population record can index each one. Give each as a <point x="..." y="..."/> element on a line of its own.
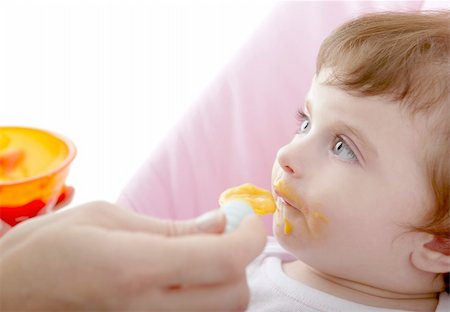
<point x="304" y="126"/>
<point x="304" y="122"/>
<point x="343" y="151"/>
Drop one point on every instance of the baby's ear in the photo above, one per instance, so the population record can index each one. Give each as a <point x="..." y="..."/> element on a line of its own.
<point x="431" y="253"/>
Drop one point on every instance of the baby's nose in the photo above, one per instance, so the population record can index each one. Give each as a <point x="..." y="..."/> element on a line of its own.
<point x="288" y="169"/>
<point x="287" y="161"/>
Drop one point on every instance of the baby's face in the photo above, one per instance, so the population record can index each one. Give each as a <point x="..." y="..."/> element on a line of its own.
<point x="350" y="183"/>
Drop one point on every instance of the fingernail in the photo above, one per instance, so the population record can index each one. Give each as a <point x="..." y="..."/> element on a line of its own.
<point x="209" y="221"/>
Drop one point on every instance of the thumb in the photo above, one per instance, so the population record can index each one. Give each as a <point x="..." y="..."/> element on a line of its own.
<point x="251" y="233"/>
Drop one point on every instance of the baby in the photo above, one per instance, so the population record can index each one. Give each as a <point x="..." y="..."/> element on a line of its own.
<point x="362" y="190"/>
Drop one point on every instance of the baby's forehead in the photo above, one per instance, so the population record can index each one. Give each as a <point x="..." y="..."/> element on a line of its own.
<point x="421" y="102"/>
<point x="381" y="109"/>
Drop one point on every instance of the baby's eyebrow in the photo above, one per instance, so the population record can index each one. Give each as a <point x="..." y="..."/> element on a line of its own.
<point x="361" y="138"/>
<point x="347" y="128"/>
<point x="308" y="107"/>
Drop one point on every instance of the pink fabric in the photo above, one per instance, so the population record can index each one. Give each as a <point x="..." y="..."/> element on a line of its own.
<point x="231" y="135"/>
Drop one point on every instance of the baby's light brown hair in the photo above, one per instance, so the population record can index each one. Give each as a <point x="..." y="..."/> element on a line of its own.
<point x="406" y="57"/>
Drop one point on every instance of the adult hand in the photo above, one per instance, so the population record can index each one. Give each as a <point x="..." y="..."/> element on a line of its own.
<point x="99" y="256"/>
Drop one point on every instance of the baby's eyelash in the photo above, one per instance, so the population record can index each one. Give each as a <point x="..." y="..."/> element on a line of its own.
<point x="301" y="116"/>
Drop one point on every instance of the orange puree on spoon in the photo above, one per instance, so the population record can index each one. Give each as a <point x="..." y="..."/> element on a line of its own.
<point x="260" y="200"/>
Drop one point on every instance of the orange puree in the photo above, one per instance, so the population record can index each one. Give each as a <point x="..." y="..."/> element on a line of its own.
<point x="280" y="187"/>
<point x="259" y="199"/>
<point x="287" y="226"/>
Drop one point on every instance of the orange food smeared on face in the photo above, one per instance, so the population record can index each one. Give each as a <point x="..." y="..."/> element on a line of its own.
<point x="287" y="226"/>
<point x="259" y="199"/>
<point x="281" y="189"/>
<point x="320" y="217"/>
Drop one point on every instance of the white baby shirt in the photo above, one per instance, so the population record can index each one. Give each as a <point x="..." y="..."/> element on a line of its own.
<point x="272" y="290"/>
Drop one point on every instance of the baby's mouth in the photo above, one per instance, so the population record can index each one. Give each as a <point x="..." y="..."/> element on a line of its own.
<point x="284" y="200"/>
<point x="284" y="205"/>
<point x="284" y="195"/>
<point x="291" y="207"/>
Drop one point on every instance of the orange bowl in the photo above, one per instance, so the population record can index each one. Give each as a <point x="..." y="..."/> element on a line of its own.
<point x="34" y="165"/>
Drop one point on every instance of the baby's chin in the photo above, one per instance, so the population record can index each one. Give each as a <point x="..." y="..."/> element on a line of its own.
<point x="289" y="241"/>
<point x="289" y="244"/>
<point x="299" y="241"/>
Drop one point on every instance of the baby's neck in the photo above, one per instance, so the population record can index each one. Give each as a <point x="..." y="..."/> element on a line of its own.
<point x="359" y="293"/>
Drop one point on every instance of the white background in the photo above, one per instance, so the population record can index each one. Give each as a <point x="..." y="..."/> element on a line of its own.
<point x="113" y="76"/>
